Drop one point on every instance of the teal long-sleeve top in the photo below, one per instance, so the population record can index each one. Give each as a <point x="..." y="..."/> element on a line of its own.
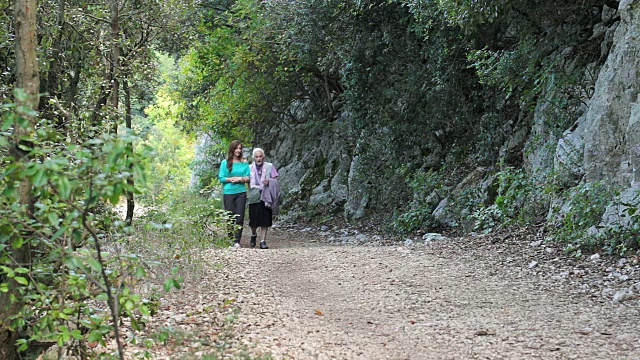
<point x="237" y="169"/>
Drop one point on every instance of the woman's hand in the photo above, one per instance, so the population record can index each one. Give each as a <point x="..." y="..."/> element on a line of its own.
<point x="265" y="181"/>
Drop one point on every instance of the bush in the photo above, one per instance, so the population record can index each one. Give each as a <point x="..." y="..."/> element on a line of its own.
<point x="418" y="212"/>
<point x="585" y="205"/>
<point x="623" y="235"/>
<point x="80" y="268"/>
<point x="175" y="234"/>
<point x="58" y="267"/>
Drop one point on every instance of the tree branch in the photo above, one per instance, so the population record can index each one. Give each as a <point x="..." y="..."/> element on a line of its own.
<point x="111" y="301"/>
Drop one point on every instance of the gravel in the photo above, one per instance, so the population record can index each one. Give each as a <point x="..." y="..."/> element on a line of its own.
<point x="339" y="293"/>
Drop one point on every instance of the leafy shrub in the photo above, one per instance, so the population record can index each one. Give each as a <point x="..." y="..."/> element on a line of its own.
<point x="517" y="199"/>
<point x="520" y="197"/>
<point x="57" y="267"/>
<point x="418" y="212"/>
<point x="623" y="236"/>
<point x="465" y="204"/>
<point x="586" y="203"/>
<point x="80" y="268"/>
<point x="486" y="218"/>
<point x="176" y="233"/>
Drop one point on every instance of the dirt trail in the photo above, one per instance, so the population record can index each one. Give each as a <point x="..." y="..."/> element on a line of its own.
<point x="307" y="299"/>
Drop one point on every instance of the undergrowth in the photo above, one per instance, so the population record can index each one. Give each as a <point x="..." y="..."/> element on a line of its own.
<point x="572" y="216"/>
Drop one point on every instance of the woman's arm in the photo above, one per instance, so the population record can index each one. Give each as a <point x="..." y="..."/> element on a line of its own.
<point x="246" y="176"/>
<point x="223" y="173"/>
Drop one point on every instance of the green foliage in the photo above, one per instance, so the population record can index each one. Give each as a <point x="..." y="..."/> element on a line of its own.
<point x="512" y="196"/>
<point x="584" y="208"/>
<point x="72" y="273"/>
<point x="471" y="13"/>
<point x="622" y="235"/>
<point x="87" y="266"/>
<point x="189" y="223"/>
<point x="73" y="43"/>
<point x="417" y="215"/>
<point x="511" y="70"/>
<point x="167" y="151"/>
<point x="232" y="82"/>
<point x="515" y="189"/>
<point x="59" y="183"/>
<point x="466" y="203"/>
<point x="518" y="198"/>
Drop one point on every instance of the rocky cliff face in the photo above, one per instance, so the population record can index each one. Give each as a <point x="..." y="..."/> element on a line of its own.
<point x="316" y="170"/>
<point x="610" y="125"/>
<point x="597" y="139"/>
<point x="603" y="144"/>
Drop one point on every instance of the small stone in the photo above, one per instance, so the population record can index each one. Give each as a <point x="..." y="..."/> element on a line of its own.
<point x="594" y="257"/>
<point x="607" y="291"/>
<point x="433" y="237"/>
<point x="585" y="331"/>
<point x="535" y="243"/>
<point x="622" y="296"/>
<point x="622" y="261"/>
<point x="533" y="264"/>
<point x="484" y="332"/>
<point x="620" y="276"/>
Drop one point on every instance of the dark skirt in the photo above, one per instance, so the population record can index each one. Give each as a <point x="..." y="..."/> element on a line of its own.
<point x="260" y="215"/>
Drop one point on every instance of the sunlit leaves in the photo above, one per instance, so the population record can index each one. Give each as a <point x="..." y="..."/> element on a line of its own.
<point x="167" y="152"/>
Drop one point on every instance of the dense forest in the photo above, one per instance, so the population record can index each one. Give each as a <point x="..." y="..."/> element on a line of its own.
<point x="432" y="115"/>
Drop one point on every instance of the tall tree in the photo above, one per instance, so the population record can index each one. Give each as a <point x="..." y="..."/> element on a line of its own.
<point x="114" y="60"/>
<point x="27" y="79"/>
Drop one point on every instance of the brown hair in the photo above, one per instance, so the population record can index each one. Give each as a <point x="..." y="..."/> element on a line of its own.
<point x="232" y="147"/>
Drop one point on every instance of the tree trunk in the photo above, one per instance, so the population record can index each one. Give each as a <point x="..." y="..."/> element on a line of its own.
<point x="27" y="78"/>
<point x="52" y="83"/>
<point x="130" y="200"/>
<point x="115" y="59"/>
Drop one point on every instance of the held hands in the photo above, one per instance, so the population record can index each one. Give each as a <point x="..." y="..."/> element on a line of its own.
<point x="238" y="179"/>
<point x="265" y="181"/>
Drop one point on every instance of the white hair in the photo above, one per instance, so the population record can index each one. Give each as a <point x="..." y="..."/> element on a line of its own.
<point x="257" y="150"/>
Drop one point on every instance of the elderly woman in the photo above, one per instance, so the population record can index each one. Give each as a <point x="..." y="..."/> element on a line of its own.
<point x="262" y="186"/>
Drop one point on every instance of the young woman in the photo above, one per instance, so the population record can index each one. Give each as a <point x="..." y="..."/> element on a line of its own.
<point x="263" y="182"/>
<point x="234" y="174"/>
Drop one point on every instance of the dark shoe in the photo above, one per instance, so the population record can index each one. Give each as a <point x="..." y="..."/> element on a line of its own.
<point x="252" y="243"/>
<point x="263" y="245"/>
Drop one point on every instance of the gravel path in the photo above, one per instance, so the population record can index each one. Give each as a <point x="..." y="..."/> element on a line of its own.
<point x="309" y="298"/>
